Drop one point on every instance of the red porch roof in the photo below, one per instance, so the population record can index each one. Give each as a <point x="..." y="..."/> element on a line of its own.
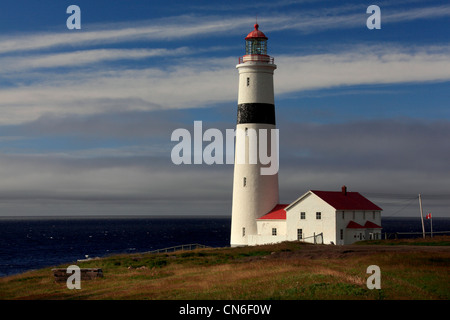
<point x="353" y="225"/>
<point x="368" y="225"/>
<point x="277" y="212"/>
<point x="371" y="225"/>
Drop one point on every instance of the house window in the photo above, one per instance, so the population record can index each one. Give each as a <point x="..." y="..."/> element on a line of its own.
<point x="302" y="215"/>
<point x="353" y="215"/>
<point x="373" y="215"/>
<point x="248" y="81"/>
<point x="245" y="181"/>
<point x="364" y="215"/>
<point x="243" y="232"/>
<point x="343" y="215"/>
<point x="342" y="234"/>
<point x="299" y="234"/>
<point x="318" y="215"/>
<point x="274" y="231"/>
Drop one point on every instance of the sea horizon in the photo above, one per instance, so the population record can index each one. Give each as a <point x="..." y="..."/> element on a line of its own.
<point x="158" y="216"/>
<point x="36" y="242"/>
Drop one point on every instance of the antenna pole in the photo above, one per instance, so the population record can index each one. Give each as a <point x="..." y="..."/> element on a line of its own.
<point x="421" y="215"/>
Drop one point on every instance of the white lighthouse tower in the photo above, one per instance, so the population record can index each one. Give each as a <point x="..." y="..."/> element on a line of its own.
<point x="254" y="194"/>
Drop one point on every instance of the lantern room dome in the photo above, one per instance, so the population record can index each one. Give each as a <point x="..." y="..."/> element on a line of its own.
<point x="256" y="34"/>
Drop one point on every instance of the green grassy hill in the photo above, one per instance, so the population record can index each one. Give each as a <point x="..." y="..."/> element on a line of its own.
<point x="290" y="270"/>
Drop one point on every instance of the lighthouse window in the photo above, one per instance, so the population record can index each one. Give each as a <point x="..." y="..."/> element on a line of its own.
<point x="245" y="181"/>
<point x="243" y="232"/>
<point x="248" y="81"/>
<point x="254" y="46"/>
<point x="274" y="231"/>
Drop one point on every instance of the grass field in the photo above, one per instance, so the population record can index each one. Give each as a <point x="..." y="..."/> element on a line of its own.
<point x="410" y="269"/>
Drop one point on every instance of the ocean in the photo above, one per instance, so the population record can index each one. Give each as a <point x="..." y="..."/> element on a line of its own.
<point x="33" y="243"/>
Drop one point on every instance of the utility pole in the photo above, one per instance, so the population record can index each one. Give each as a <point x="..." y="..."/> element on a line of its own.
<point x="429" y="216"/>
<point x="421" y="215"/>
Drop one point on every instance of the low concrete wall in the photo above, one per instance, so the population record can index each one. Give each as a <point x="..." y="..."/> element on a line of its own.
<point x="61" y="275"/>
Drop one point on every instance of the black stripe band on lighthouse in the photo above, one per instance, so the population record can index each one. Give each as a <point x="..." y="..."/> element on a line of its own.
<point x="254" y="194"/>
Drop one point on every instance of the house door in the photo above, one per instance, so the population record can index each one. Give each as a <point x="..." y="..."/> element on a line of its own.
<point x="299" y="234"/>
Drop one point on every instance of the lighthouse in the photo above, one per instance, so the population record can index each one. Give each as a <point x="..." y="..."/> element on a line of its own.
<point x="254" y="193"/>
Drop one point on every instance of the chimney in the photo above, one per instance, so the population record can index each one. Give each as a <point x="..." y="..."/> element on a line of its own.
<point x="344" y="190"/>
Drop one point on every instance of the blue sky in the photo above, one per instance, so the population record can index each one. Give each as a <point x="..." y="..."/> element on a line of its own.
<point x="87" y="114"/>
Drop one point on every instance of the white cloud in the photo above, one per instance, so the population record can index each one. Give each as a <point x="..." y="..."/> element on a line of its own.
<point x="368" y="156"/>
<point x="192" y="26"/>
<point x="194" y="82"/>
<point x="99" y="91"/>
<point x="361" y="66"/>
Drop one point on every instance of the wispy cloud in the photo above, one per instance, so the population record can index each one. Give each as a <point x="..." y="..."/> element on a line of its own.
<point x="349" y="16"/>
<point x="393" y="16"/>
<point x="81" y="57"/>
<point x="166" y="29"/>
<point x="189" y="26"/>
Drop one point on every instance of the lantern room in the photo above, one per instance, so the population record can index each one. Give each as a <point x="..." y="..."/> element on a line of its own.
<point x="256" y="47"/>
<point x="256" y="42"/>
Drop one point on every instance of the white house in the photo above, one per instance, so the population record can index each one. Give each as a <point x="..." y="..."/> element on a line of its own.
<point x="330" y="217"/>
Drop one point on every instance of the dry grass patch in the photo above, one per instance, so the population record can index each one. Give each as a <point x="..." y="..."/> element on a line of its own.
<point x="283" y="271"/>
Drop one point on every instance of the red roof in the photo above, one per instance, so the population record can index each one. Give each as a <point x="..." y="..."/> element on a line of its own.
<point x="367" y="225"/>
<point x="346" y="200"/>
<point x="256" y="34"/>
<point x="277" y="212"/>
<point x="371" y="225"/>
<point x="354" y="225"/>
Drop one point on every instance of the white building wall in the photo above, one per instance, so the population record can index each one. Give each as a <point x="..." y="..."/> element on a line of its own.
<point x="265" y="227"/>
<point x="311" y="204"/>
<point x="265" y="234"/>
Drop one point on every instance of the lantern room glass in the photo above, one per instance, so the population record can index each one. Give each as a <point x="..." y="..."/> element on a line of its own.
<point x="256" y="46"/>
